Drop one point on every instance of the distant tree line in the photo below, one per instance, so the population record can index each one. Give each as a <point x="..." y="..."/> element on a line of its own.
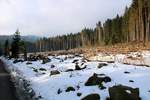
<point x="59" y="43"/>
<point x="133" y="26"/>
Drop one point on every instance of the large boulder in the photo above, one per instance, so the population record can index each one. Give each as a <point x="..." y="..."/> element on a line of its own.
<point x="92" y="97"/>
<point x="97" y="80"/>
<point x="123" y="93"/>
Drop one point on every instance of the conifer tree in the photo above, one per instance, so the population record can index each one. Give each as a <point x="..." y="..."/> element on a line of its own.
<point x="15" y="46"/>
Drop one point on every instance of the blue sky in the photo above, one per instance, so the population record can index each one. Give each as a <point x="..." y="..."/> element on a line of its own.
<point x="53" y="17"/>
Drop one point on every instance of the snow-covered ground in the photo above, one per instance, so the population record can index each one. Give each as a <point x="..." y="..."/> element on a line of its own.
<point x="48" y="85"/>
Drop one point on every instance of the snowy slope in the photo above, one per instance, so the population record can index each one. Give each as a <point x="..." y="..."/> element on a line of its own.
<point x="47" y="86"/>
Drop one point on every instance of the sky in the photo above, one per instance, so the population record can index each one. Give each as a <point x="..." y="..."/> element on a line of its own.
<point x="56" y="17"/>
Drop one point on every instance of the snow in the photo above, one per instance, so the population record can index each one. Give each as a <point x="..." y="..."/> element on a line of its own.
<point x="47" y="86"/>
<point x="103" y="57"/>
<point x="128" y="91"/>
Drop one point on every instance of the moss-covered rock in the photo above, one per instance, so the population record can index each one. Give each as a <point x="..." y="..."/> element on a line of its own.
<point x="123" y="93"/>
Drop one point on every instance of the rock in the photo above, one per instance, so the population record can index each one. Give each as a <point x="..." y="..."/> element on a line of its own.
<point x="92" y="97"/>
<point x="101" y="86"/>
<point x="17" y="61"/>
<point x="77" y="67"/>
<point x="82" y="64"/>
<point x="107" y="98"/>
<point x="61" y="60"/>
<point x="29" y="63"/>
<point x="32" y="58"/>
<point x="59" y="91"/>
<point x="40" y="97"/>
<point x="54" y="72"/>
<point x="131" y="81"/>
<point x="36" y="57"/>
<point x="79" y="94"/>
<point x="35" y="70"/>
<point x="70" y="89"/>
<point x="32" y="93"/>
<point x="102" y="65"/>
<point x="94" y="80"/>
<point x="46" y="60"/>
<point x="107" y="79"/>
<point x="43" y="73"/>
<point x="126" y="72"/>
<point x="110" y="61"/>
<point x="69" y="70"/>
<point x="123" y="93"/>
<point x="39" y="57"/>
<point x="78" y="87"/>
<point x="9" y="58"/>
<point x="97" y="80"/>
<point x="53" y="66"/>
<point x="42" y="69"/>
<point x="101" y="74"/>
<point x="75" y="61"/>
<point x="70" y="75"/>
<point x="65" y="58"/>
<point x="77" y="55"/>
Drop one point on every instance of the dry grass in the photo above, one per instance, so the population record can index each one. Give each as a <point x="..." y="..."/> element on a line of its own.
<point x="124" y="48"/>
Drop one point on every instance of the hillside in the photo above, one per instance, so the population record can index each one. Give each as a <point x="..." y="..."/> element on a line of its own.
<point x="73" y="77"/>
<point x="29" y="38"/>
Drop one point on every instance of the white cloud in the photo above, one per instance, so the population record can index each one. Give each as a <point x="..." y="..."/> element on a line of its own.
<point x="42" y="17"/>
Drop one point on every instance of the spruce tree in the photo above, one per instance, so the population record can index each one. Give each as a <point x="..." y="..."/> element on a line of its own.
<point x="15" y="46"/>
